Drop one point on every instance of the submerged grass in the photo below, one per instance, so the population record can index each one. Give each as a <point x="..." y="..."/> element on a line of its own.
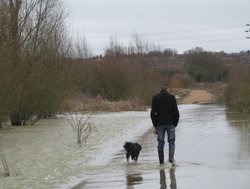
<point x="6" y="172"/>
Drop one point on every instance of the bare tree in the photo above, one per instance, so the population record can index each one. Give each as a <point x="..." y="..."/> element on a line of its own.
<point x="81" y="48"/>
<point x="139" y="44"/>
<point x="114" y="48"/>
<point x="82" y="126"/>
<point x="32" y="37"/>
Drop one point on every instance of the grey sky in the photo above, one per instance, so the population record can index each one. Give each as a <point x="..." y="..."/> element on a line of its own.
<point x="214" y="25"/>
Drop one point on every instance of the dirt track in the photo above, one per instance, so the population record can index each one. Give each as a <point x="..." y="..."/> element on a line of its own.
<point x="197" y="96"/>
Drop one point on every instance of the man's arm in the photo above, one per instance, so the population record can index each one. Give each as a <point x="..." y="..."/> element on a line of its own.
<point x="176" y="113"/>
<point x="153" y="113"/>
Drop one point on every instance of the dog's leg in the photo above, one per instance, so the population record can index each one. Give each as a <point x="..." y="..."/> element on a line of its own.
<point x="133" y="156"/>
<point x="136" y="157"/>
<point x="127" y="156"/>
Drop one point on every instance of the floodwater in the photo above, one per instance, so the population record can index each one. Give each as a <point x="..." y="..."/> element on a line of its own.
<point x="212" y="151"/>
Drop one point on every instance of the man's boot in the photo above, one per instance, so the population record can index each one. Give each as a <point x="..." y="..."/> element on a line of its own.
<point x="171" y="153"/>
<point x="161" y="156"/>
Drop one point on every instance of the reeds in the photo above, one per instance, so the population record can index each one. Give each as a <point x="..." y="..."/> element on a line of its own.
<point x="7" y="170"/>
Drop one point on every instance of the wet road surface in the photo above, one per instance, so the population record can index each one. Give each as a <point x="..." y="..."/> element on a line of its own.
<point x="212" y="151"/>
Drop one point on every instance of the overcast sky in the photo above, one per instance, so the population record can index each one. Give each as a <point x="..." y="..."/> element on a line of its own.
<point x="214" y="25"/>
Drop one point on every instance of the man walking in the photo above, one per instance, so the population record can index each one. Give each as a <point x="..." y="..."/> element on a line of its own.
<point x="165" y="117"/>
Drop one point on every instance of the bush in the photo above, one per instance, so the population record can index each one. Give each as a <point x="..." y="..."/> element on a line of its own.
<point x="238" y="88"/>
<point x="115" y="78"/>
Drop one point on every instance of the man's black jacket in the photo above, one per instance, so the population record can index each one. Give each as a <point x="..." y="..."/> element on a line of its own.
<point x="164" y="110"/>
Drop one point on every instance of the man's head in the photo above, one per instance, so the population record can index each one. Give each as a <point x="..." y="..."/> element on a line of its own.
<point x="164" y="86"/>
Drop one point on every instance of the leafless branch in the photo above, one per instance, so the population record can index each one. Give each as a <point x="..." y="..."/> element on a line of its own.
<point x="81" y="126"/>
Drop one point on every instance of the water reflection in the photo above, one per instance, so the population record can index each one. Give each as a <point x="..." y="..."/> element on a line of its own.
<point x="134" y="179"/>
<point x="240" y="122"/>
<point x="239" y="119"/>
<point x="163" y="179"/>
<point x="163" y="183"/>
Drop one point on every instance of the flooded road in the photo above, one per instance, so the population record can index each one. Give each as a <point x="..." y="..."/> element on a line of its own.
<point x="212" y="151"/>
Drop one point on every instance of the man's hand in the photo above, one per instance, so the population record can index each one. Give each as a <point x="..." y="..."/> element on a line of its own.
<point x="155" y="131"/>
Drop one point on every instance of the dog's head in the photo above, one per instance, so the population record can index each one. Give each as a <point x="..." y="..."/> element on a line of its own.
<point x="127" y="146"/>
<point x="138" y="146"/>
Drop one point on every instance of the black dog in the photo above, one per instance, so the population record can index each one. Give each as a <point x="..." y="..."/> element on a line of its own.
<point x="133" y="150"/>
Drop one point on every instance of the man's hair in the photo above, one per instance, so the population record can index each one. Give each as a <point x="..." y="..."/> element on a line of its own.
<point x="164" y="86"/>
